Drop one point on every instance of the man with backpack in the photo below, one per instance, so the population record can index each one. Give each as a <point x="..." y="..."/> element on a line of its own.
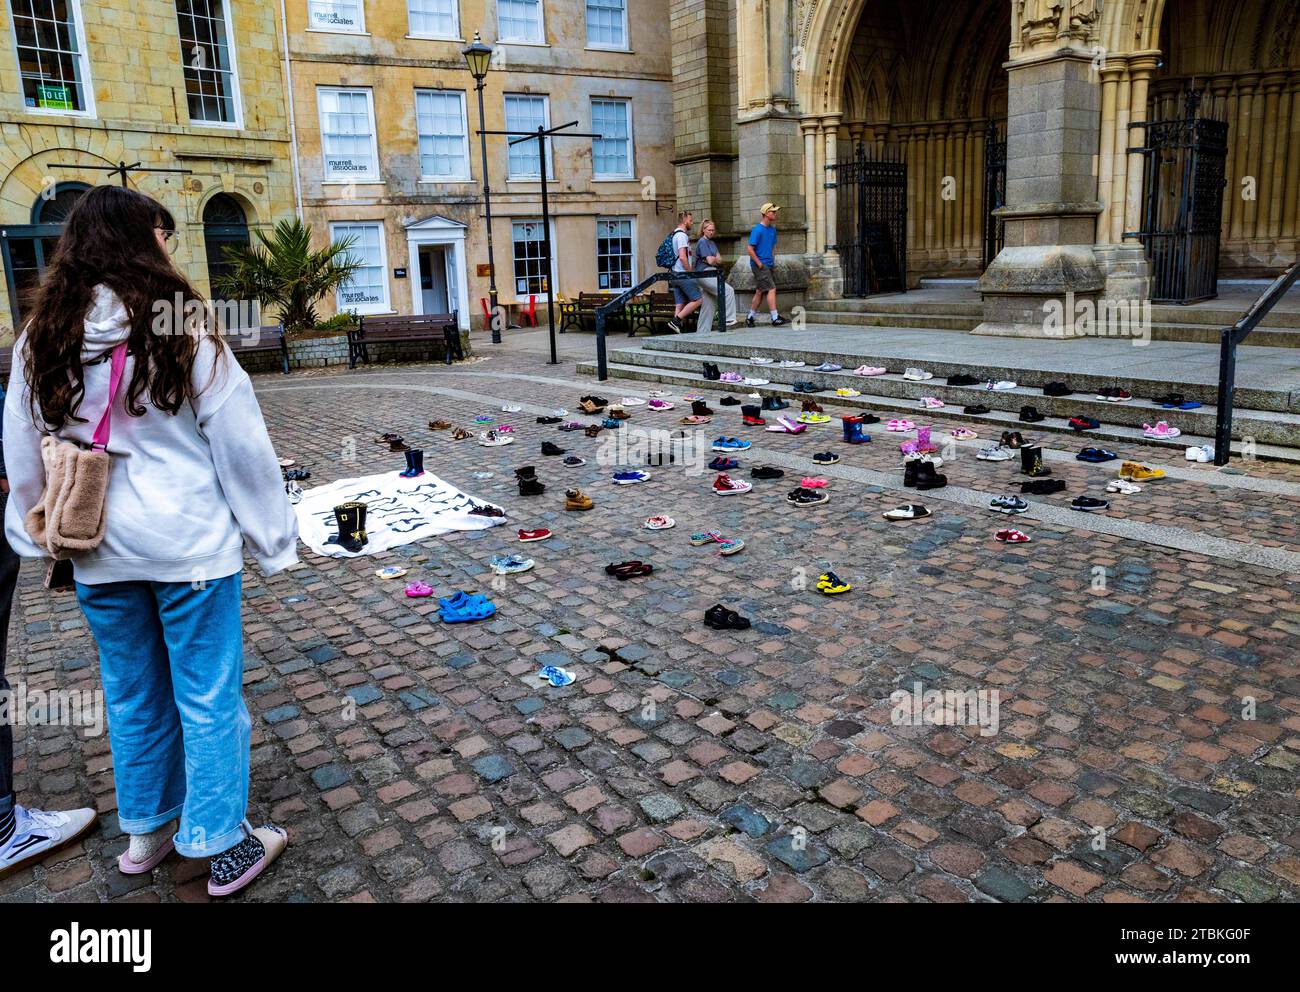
<point x="675" y="254"/>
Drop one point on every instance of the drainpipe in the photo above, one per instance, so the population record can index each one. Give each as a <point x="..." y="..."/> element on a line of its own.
<point x="293" y="122"/>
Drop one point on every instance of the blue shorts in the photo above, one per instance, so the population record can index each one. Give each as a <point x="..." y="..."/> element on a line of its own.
<point x="685" y="291"/>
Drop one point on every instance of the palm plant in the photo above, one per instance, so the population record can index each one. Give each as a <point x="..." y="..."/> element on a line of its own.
<point x="284" y="273"/>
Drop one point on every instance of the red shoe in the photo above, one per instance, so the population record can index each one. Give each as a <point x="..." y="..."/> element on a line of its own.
<point x="725" y="485"/>
<point x="753" y="421"/>
<point x="1012" y="536"/>
<point x="540" y="534"/>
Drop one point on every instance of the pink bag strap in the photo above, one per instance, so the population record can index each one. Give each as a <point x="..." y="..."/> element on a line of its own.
<point x="100" y="440"/>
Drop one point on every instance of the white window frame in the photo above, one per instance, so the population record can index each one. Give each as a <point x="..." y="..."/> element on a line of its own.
<point x="359" y="29"/>
<point x="529" y="177"/>
<point x="460" y="177"/>
<point x="369" y="177"/>
<point x="630" y="139"/>
<point x="455" y="25"/>
<point x="83" y="63"/>
<point x="597" y="46"/>
<point x="235" y="98"/>
<point x="366" y="308"/>
<point x="555" y="262"/>
<point x="541" y="28"/>
<point x="620" y="218"/>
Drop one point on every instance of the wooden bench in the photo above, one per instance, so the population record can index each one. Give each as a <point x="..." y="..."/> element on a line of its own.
<point x="656" y="310"/>
<point x="424" y="327"/>
<point x="260" y="341"/>
<point x="581" y="313"/>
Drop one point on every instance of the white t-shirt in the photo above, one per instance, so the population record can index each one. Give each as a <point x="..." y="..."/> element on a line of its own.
<point x="186" y="493"/>
<point x="682" y="240"/>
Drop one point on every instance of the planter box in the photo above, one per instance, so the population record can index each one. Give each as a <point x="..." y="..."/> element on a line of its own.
<point x="318" y="352"/>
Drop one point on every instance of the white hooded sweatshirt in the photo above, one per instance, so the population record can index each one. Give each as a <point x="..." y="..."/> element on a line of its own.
<point x="186" y="493"/>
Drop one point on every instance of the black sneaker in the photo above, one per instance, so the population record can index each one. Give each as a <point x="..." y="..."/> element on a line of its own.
<point x="551" y="449"/>
<point x="766" y="472"/>
<point x="868" y="418"/>
<point x="749" y="321"/>
<point x="549" y="420"/>
<point x="675" y="327"/>
<point x="1089" y="504"/>
<point x="807" y="497"/>
<point x="728" y="401"/>
<point x="777" y="321"/>
<point x="1042" y="487"/>
<point x="977" y="410"/>
<point x="962" y="380"/>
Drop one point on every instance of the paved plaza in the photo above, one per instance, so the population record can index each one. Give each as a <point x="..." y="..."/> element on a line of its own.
<point x="1145" y="664"/>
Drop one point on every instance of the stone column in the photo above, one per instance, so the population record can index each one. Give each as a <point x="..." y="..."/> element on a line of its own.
<point x="1123" y="258"/>
<point x="809" y="126"/>
<point x="1052" y="206"/>
<point x="826" y="224"/>
<point x="772" y="144"/>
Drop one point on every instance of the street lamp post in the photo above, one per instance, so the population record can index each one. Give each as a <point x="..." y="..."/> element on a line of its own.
<point x="478" y="57"/>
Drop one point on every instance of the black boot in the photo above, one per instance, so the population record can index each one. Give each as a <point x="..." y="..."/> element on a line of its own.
<point x="752" y="415"/>
<point x="527" y="472"/>
<point x="700" y="409"/>
<point x="910" y="474"/>
<point x="351" y="518"/>
<point x="927" y="478"/>
<point x="1031" y="461"/>
<point x="773" y="403"/>
<point x="414" y="463"/>
<point x="530" y="486"/>
<point x="711" y="371"/>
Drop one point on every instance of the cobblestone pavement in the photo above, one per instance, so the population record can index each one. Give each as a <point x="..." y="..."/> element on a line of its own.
<point x="415" y="761"/>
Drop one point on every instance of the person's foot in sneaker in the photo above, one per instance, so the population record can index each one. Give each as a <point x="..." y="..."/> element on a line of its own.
<point x="749" y="320"/>
<point x="28" y="836"/>
<point x="778" y="320"/>
<point x="673" y="326"/>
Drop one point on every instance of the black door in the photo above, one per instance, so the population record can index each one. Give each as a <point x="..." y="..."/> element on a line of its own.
<point x="995" y="189"/>
<point x="224" y="226"/>
<point x="1184" y="159"/>
<point x="872" y="222"/>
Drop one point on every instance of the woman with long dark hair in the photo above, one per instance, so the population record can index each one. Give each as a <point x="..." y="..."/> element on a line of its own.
<point x="192" y="482"/>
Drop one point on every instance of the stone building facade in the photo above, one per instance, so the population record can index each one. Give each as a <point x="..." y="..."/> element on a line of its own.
<point x="386" y="118"/>
<point x="170" y="84"/>
<point x="939" y="84"/>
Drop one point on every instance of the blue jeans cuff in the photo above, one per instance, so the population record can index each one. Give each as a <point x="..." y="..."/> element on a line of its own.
<point x="7" y="804"/>
<point x="214" y="846"/>
<point x="149" y="824"/>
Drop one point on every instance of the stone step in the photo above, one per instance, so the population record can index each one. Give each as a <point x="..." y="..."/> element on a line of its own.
<point x="989" y="425"/>
<point x="1265" y="337"/>
<point x="719" y="349"/>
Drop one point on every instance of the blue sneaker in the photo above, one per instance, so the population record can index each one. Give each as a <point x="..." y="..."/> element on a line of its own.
<point x="610" y="424"/>
<point x="510" y="564"/>
<point x="723" y="464"/>
<point x="630" y="478"/>
<point x="730" y="444"/>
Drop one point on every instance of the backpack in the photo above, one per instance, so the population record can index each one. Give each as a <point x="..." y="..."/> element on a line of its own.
<point x="666" y="256"/>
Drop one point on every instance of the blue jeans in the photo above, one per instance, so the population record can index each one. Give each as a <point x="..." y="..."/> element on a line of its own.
<point x="171" y="658"/>
<point x="8" y="580"/>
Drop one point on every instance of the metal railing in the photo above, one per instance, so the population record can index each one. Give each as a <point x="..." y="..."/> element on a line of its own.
<point x="621" y="301"/>
<point x="1229" y="338"/>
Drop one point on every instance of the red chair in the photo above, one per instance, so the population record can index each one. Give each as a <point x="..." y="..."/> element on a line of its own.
<point x="531" y="314"/>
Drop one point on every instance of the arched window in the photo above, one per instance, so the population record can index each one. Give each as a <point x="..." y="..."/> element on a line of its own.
<point x="224" y="226"/>
<point x="28" y="247"/>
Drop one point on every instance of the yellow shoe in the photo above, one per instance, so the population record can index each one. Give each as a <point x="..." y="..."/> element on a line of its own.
<point x="847" y="392"/>
<point x="1140" y="473"/>
<point x="814" y="418"/>
<point x="831" y="584"/>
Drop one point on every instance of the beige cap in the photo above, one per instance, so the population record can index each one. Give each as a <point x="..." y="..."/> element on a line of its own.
<point x="769" y="208"/>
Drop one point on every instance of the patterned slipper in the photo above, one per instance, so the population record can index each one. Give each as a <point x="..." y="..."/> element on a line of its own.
<point x="274" y="840"/>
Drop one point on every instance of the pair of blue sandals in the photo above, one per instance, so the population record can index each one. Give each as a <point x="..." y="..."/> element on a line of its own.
<point x="461" y="607"/>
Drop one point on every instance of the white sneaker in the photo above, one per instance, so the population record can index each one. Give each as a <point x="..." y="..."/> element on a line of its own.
<point x="511" y="408"/>
<point x="789" y="363"/>
<point x="917" y="375"/>
<point x="1002" y="385"/>
<point x="294" y="492"/>
<point x="995" y="453"/>
<point x="760" y="360"/>
<point x="931" y="403"/>
<point x="751" y="381"/>
<point x="1201" y="453"/>
<point x="1122" y="486"/>
<point x="38" y="833"/>
<point x="633" y="401"/>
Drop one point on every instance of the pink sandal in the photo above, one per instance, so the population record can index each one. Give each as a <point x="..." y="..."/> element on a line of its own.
<point x="418" y="590"/>
<point x="128" y="867"/>
<point x="813" y="482"/>
<point x="900" y="426"/>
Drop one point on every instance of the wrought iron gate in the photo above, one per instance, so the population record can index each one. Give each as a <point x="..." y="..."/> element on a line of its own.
<point x="1182" y="201"/>
<point x="995" y="189"/>
<point x="871" y="222"/>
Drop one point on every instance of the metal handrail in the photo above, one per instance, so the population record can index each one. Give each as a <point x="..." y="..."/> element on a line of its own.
<point x="621" y="301"/>
<point x="1229" y="338"/>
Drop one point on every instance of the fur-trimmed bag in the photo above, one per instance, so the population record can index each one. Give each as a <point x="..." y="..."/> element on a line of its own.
<point x="72" y="513"/>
